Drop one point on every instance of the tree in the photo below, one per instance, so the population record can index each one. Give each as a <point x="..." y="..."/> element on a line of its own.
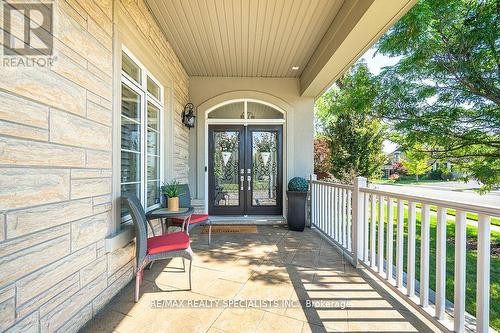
<point x="416" y="163"/>
<point x="322" y="158"/>
<point x="354" y="134"/>
<point x="444" y="93"/>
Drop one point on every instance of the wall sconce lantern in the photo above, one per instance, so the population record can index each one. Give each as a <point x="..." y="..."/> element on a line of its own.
<point x="187" y="116"/>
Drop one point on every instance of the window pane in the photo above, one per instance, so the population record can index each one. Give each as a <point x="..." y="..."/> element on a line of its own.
<point x="153" y="117"/>
<point x="153" y="196"/>
<point x="130" y="67"/>
<point x="229" y="111"/>
<point x="153" y="89"/>
<point x="131" y="167"/>
<point x="131" y="104"/>
<point x="131" y="135"/>
<point x="153" y="143"/>
<point x="153" y="168"/>
<point x="262" y="111"/>
<point x="127" y="190"/>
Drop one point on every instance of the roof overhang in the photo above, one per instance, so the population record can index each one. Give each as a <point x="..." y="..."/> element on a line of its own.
<point x="267" y="39"/>
<point x="356" y="28"/>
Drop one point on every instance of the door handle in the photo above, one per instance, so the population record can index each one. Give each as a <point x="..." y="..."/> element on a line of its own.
<point x="242" y="180"/>
<point x="249" y="179"/>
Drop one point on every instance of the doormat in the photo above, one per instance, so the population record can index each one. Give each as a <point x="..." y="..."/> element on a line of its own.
<point x="231" y="229"/>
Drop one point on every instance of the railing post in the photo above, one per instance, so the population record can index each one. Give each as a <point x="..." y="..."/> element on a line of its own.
<point x="357" y="219"/>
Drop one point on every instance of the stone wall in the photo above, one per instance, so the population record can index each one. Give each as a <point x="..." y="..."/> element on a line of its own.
<point x="56" y="171"/>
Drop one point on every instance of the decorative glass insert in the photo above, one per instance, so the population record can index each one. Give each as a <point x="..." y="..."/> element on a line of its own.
<point x="226" y="168"/>
<point x="264" y="168"/>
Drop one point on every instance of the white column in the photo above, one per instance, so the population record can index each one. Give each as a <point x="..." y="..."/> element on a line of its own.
<point x="460" y="252"/>
<point x="358" y="220"/>
<point x="441" y="263"/>
<point x="483" y="274"/>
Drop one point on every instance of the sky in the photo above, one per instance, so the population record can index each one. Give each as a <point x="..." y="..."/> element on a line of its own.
<point x="375" y="63"/>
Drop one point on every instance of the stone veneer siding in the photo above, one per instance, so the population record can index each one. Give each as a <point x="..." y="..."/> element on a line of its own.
<point x="56" y="170"/>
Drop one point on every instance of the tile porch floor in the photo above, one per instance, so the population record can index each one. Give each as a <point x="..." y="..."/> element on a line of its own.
<point x="273" y="264"/>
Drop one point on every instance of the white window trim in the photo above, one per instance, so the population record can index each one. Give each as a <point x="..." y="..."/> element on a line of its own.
<point x="146" y="97"/>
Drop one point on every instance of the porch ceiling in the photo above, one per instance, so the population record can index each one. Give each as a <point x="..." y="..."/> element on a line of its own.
<point x="257" y="38"/>
<point x="245" y="38"/>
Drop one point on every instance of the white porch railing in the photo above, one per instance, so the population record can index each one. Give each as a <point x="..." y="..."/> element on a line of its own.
<point x="354" y="218"/>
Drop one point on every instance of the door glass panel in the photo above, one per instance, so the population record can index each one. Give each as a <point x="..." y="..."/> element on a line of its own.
<point x="226" y="168"/>
<point x="264" y="168"/>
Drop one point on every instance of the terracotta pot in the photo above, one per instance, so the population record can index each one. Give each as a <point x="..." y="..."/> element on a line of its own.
<point x="173" y="204"/>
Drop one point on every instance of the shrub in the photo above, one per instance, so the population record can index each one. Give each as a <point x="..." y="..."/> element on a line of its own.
<point x="394" y="177"/>
<point x="298" y="184"/>
<point x="399" y="168"/>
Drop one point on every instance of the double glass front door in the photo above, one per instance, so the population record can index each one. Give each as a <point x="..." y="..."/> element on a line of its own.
<point x="245" y="170"/>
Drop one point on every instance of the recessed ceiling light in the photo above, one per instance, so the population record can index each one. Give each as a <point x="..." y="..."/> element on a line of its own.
<point x="295" y="68"/>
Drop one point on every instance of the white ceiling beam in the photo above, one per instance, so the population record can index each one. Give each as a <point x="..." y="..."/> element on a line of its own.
<point x="357" y="26"/>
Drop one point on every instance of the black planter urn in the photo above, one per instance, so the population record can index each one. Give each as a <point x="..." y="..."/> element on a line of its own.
<point x="296" y="214"/>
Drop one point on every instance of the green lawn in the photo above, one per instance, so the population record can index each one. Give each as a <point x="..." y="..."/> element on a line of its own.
<point x="405" y="181"/>
<point x="471" y="264"/>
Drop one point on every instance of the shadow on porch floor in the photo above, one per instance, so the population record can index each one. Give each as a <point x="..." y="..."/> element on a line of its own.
<point x="274" y="264"/>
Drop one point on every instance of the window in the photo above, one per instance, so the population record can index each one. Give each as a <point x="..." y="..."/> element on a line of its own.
<point x="141" y="133"/>
<point x="247" y="110"/>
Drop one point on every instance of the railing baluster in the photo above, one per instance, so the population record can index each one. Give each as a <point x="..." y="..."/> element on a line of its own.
<point x="366" y="227"/>
<point x="315" y="204"/>
<point x="323" y="205"/>
<point x="410" y="269"/>
<point x="349" y="219"/>
<point x="329" y="211"/>
<point x="373" y="225"/>
<point x="460" y="252"/>
<point x="424" y="255"/>
<point x="342" y="219"/>
<point x="483" y="274"/>
<point x="400" y="243"/>
<point x="381" y="234"/>
<point x="441" y="263"/>
<point x="334" y="216"/>
<point x="390" y="237"/>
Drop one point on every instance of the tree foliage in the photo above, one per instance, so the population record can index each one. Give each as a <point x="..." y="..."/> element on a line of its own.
<point x="322" y="158"/>
<point x="354" y="134"/>
<point x="416" y="163"/>
<point x="444" y="93"/>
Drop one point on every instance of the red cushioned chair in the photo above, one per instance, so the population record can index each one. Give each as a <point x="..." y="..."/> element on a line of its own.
<point x="173" y="245"/>
<point x="185" y="201"/>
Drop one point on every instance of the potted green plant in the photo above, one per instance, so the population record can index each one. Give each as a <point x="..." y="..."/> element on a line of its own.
<point x="172" y="191"/>
<point x="297" y="198"/>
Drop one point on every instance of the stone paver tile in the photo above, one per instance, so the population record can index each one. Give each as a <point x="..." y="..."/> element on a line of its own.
<point x="276" y="323"/>
<point x="239" y="320"/>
